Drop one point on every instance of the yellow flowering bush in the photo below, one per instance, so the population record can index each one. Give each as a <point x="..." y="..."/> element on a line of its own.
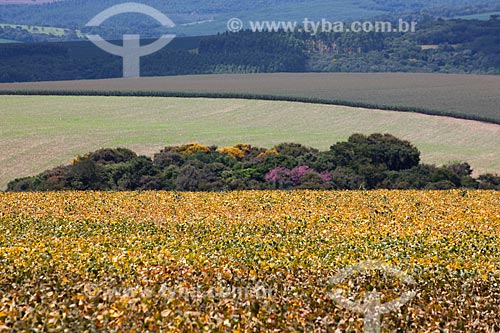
<point x="192" y="148"/>
<point x="234" y="152"/>
<point x="267" y="153"/>
<point x="238" y="151"/>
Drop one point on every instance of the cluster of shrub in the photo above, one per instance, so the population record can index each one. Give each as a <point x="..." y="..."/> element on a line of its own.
<point x="363" y="162"/>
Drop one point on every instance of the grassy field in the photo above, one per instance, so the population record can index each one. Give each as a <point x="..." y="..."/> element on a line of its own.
<point x="36" y="29"/>
<point x="42" y="132"/>
<point x="460" y="95"/>
<point x="256" y="261"/>
<point x="4" y="41"/>
<point x="482" y="16"/>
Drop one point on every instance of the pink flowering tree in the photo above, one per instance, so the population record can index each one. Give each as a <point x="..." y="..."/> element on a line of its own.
<point x="326" y="176"/>
<point x="298" y="172"/>
<point x="278" y="174"/>
<point x="283" y="177"/>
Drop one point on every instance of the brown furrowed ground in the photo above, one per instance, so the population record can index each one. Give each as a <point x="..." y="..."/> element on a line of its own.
<point x="460" y="95"/>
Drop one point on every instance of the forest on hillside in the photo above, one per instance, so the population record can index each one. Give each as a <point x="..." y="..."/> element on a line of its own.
<point x="438" y="46"/>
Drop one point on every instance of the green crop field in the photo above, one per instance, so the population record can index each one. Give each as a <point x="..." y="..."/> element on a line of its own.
<point x="482" y="16"/>
<point x="38" y="133"/>
<point x="466" y="96"/>
<point x="36" y="29"/>
<point x="5" y="41"/>
<point x="40" y="30"/>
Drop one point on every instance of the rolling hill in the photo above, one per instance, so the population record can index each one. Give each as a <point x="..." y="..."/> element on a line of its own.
<point x="464" y="96"/>
<point x="25" y="2"/>
<point x="74" y="14"/>
<point x="43" y="132"/>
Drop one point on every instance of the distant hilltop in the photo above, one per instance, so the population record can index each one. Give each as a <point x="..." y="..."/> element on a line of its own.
<point x="25" y="2"/>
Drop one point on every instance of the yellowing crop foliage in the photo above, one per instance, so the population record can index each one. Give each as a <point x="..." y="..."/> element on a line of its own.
<point x="246" y="261"/>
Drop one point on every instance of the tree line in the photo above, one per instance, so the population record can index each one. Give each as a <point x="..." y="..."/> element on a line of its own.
<point x="438" y="46"/>
<point x="377" y="161"/>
